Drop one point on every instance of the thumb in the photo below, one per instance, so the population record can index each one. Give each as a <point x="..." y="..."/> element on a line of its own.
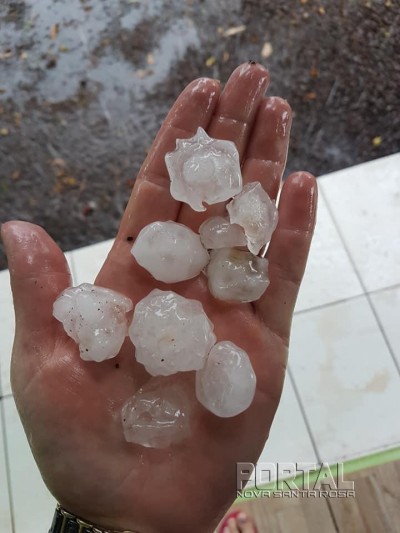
<point x="38" y="272"/>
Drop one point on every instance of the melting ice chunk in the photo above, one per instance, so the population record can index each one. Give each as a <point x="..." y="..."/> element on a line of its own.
<point x="236" y="275"/>
<point x="158" y="415"/>
<point x="203" y="169"/>
<point x="218" y="232"/>
<point x="227" y="384"/>
<point x="256" y="213"/>
<point x="171" y="333"/>
<point x="95" y="318"/>
<point x="171" y="252"/>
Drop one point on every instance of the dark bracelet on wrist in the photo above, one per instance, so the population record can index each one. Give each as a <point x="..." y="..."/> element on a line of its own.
<point x="65" y="522"/>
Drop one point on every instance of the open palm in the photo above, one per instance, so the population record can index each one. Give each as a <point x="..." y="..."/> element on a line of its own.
<point x="71" y="408"/>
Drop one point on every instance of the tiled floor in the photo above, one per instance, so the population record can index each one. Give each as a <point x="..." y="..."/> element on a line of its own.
<point x="342" y="393"/>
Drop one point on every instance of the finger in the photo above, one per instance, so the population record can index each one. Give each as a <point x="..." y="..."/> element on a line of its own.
<point x="288" y="251"/>
<point x="151" y="199"/>
<point x="38" y="272"/>
<point x="233" y="120"/>
<point x="266" y="153"/>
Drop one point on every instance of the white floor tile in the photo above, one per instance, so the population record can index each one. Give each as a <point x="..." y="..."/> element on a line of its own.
<point x="7" y="326"/>
<point x="289" y="440"/>
<point x="347" y="380"/>
<point x="329" y="275"/>
<point x="70" y="258"/>
<point x="33" y="504"/>
<point x="365" y="202"/>
<point x="89" y="260"/>
<point x="5" y="511"/>
<point x="387" y="305"/>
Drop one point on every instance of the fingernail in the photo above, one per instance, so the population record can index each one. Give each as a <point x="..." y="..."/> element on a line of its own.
<point x="242" y="518"/>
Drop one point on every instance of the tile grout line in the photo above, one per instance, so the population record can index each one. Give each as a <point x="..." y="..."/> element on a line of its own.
<point x="7" y="461"/>
<point x="366" y="292"/>
<point x="303" y="413"/>
<point x="345" y="300"/>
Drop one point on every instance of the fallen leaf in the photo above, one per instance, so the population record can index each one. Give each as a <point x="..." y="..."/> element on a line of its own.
<point x="23" y="56"/>
<point x="54" y="31"/>
<point x="234" y="30"/>
<point x="266" y="50"/>
<point x="6" y="54"/>
<point x="63" y="48"/>
<point x="16" y="175"/>
<point x="313" y="72"/>
<point x="70" y="181"/>
<point x="321" y="10"/>
<point x="303" y="2"/>
<point x="210" y="61"/>
<point x="143" y="73"/>
<point x="150" y="59"/>
<point x="225" y="57"/>
<point x="310" y="96"/>
<point x="377" y="141"/>
<point x="4" y="132"/>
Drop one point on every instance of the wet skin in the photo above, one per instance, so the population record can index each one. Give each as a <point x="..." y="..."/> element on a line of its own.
<point x="70" y="409"/>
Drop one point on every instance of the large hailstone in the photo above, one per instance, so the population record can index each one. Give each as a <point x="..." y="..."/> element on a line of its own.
<point x="171" y="252"/>
<point x="158" y="415"/>
<point x="218" y="232"/>
<point x="227" y="383"/>
<point x="254" y="210"/>
<point x="236" y="275"/>
<point x="203" y="169"/>
<point x="171" y="333"/>
<point x="95" y="318"/>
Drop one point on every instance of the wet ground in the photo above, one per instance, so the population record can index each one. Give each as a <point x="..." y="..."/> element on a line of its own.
<point x="85" y="84"/>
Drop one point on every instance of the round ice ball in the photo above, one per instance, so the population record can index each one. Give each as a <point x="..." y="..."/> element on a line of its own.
<point x="237" y="275"/>
<point x="227" y="383"/>
<point x="171" y="252"/>
<point x="171" y="333"/>
<point x="95" y="318"/>
<point x="218" y="232"/>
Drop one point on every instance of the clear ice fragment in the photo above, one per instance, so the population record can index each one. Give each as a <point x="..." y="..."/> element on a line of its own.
<point x="171" y="252"/>
<point x="254" y="210"/>
<point x="95" y="318"/>
<point x="203" y="169"/>
<point x="218" y="232"/>
<point x="158" y="415"/>
<point x="237" y="275"/>
<point x="227" y="383"/>
<point x="170" y="333"/>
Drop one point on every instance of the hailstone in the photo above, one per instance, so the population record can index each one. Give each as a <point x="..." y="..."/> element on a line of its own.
<point x="158" y="415"/>
<point x="171" y="333"/>
<point x="218" y="232"/>
<point x="95" y="318"/>
<point x="254" y="210"/>
<point x="227" y="383"/>
<point x="237" y="275"/>
<point x="171" y="252"/>
<point x="203" y="169"/>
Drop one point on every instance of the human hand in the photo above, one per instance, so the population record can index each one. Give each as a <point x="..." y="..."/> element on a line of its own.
<point x="70" y="408"/>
